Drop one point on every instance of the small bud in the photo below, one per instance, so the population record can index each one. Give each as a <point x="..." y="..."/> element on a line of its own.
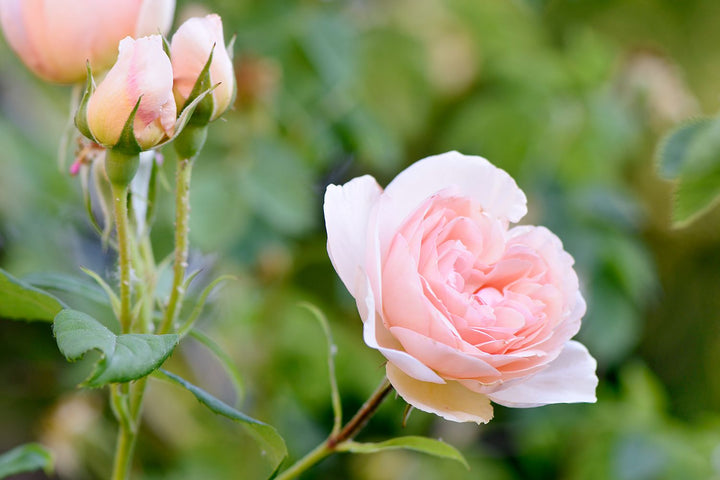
<point x="133" y="107"/>
<point x="196" y="42"/>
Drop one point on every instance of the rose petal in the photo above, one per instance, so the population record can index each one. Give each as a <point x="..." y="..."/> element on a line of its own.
<point x="570" y="378"/>
<point x="347" y="211"/>
<point x="451" y="401"/>
<point x="376" y="336"/>
<point x="472" y="176"/>
<point x="447" y="361"/>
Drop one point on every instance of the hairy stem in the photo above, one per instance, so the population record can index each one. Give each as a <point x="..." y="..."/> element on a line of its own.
<point x="182" y="217"/>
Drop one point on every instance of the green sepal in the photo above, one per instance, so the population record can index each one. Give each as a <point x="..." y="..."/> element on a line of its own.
<point x="85" y="171"/>
<point x="165" y="44"/>
<point x="190" y="141"/>
<point x="125" y="357"/>
<point x="121" y="167"/>
<point x="81" y="121"/>
<point x="204" y="110"/>
<point x="184" y="117"/>
<point x="127" y="143"/>
<point x="231" y="53"/>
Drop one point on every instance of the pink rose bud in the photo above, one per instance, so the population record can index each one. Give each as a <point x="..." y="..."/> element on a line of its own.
<point x="465" y="309"/>
<point x="142" y="72"/>
<point x="190" y="49"/>
<point x="55" y="38"/>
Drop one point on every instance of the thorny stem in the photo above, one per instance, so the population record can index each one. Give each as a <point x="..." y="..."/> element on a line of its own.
<point x="182" y="215"/>
<point x="335" y="441"/>
<point x="119" y="194"/>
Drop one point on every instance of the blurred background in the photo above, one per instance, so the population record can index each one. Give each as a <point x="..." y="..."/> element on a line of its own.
<point x="569" y="96"/>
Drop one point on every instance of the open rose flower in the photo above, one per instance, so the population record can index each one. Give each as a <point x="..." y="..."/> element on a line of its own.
<point x="55" y="38"/>
<point x="465" y="309"/>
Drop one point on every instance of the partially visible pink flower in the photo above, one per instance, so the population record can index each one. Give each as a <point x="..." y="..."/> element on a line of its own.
<point x="190" y="49"/>
<point x="142" y="71"/>
<point x="465" y="309"/>
<point x="55" y="38"/>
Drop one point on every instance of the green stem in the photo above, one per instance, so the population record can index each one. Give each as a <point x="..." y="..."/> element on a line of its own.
<point x="150" y="279"/>
<point x="123" y="453"/>
<point x="119" y="194"/>
<point x="182" y="216"/>
<point x="335" y="441"/>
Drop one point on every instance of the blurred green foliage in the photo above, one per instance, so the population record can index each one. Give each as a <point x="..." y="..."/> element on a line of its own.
<point x="569" y="96"/>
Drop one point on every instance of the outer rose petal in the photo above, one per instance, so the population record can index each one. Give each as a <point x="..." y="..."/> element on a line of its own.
<point x="56" y="38"/>
<point x="347" y="211"/>
<point x="473" y="176"/>
<point x="376" y="336"/>
<point x="451" y="401"/>
<point x="570" y="378"/>
<point x="155" y="15"/>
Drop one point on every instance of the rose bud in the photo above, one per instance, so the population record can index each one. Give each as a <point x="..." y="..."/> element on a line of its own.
<point x="190" y="49"/>
<point x="56" y="38"/>
<point x="465" y="309"/>
<point x="141" y="74"/>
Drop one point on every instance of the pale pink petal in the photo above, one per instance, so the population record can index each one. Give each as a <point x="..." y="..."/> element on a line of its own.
<point x="376" y="336"/>
<point x="155" y="17"/>
<point x="447" y="361"/>
<point x="570" y="378"/>
<point x="347" y="211"/>
<point x="471" y="176"/>
<point x="406" y="304"/>
<point x="451" y="401"/>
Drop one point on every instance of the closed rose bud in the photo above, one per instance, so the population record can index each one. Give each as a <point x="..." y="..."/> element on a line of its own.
<point x="190" y="49"/>
<point x="55" y="38"/>
<point x="142" y="72"/>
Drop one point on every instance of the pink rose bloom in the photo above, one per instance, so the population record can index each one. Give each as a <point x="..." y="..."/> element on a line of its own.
<point x="190" y="49"/>
<point x="55" y="38"/>
<point x="142" y="70"/>
<point x="465" y="309"/>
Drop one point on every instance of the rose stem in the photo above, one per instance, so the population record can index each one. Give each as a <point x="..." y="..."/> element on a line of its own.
<point x="182" y="215"/>
<point x="348" y="432"/>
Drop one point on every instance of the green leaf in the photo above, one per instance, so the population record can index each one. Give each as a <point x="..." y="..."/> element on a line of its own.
<point x="224" y="360"/>
<point x="273" y="444"/>
<point x="332" y="350"/>
<point x="62" y="282"/>
<point x="200" y="302"/>
<point x="125" y="357"/>
<point x="26" y="458"/>
<point x="674" y="148"/>
<point x="111" y="295"/>
<point x="22" y="301"/>
<point x="426" y="445"/>
<point x="81" y="116"/>
<point x="691" y="155"/>
<point x="694" y="196"/>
